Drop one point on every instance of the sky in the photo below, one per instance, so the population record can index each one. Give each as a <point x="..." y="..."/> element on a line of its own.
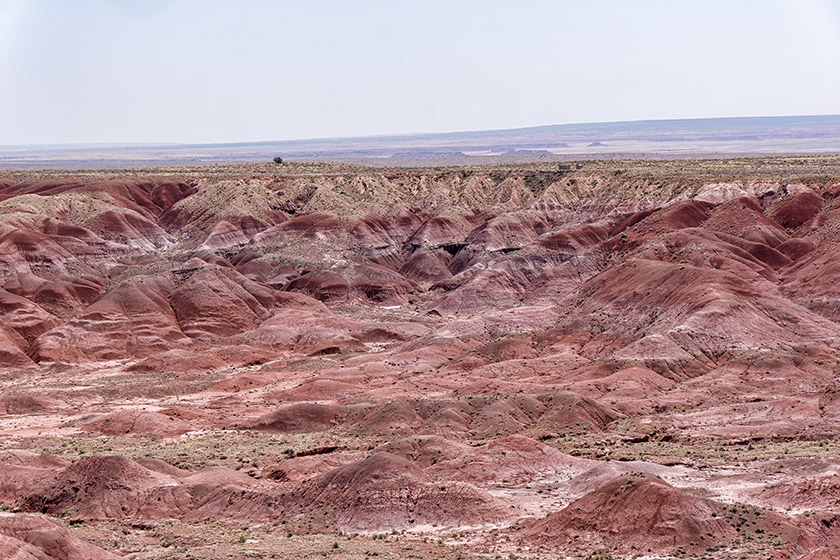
<point x="207" y="71"/>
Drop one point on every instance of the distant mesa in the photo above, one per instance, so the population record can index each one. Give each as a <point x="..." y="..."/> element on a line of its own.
<point x="420" y="153"/>
<point x="812" y="134"/>
<point x="527" y="152"/>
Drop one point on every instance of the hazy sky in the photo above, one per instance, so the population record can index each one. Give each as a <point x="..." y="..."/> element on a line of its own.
<point x="214" y="71"/>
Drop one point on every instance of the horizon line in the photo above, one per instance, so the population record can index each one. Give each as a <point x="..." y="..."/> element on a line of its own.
<point x="399" y="134"/>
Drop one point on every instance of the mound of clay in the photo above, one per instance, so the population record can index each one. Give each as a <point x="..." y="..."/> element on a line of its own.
<point x="20" y="470"/>
<point x="812" y="282"/>
<point x="311" y="226"/>
<point x="388" y="492"/>
<point x="569" y="410"/>
<point x="243" y="382"/>
<point x="380" y="284"/>
<point x="305" y="324"/>
<point x="307" y="466"/>
<point x="217" y="477"/>
<point x="671" y="218"/>
<point x="378" y="468"/>
<point x="99" y="487"/>
<point x="25" y="404"/>
<point x="796" y="209"/>
<point x="137" y="422"/>
<point x="161" y="467"/>
<point x="437" y="232"/>
<point x="425" y="451"/>
<point x="23" y="458"/>
<point x="28" y="537"/>
<point x="515" y="458"/>
<point x="390" y="418"/>
<point x="11" y="353"/>
<point x="315" y="390"/>
<point x="133" y="319"/>
<point x="218" y="301"/>
<point x="508" y="231"/>
<point x="225" y="235"/>
<point x="373" y="231"/>
<point x="426" y="265"/>
<point x="482" y="416"/>
<point x="323" y="285"/>
<point x="795" y="248"/>
<point x="744" y="218"/>
<point x="24" y="317"/>
<point x="492" y="284"/>
<point x="637" y="512"/>
<point x="63" y="297"/>
<point x="300" y="418"/>
<point x="631" y="389"/>
<point x="701" y="310"/>
<point x="504" y="416"/>
<point x="822" y="493"/>
<point x="823" y="553"/>
<point x="15" y="549"/>
<point x="26" y="250"/>
<point x="129" y="229"/>
<point x="576" y="241"/>
<point x="179" y="361"/>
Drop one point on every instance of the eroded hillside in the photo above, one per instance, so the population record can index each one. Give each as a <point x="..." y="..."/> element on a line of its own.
<point x="639" y="358"/>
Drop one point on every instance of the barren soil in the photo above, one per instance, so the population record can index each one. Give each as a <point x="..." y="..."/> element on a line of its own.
<point x="625" y="359"/>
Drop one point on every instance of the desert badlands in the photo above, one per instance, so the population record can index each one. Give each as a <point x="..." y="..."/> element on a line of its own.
<point x="623" y="359"/>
